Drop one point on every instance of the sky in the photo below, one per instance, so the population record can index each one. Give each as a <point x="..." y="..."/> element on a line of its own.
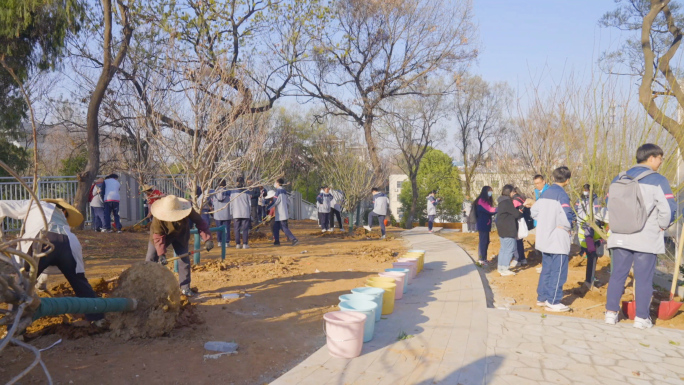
<point x="540" y="40"/>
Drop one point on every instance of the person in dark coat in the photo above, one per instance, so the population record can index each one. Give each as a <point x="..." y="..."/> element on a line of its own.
<point x="485" y="210"/>
<point x="507" y="226"/>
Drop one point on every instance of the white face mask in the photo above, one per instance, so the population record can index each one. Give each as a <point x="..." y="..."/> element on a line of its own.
<point x="586" y="193"/>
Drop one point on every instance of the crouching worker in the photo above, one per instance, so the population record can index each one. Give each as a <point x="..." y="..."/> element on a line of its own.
<point x="173" y="218"/>
<point x="67" y="254"/>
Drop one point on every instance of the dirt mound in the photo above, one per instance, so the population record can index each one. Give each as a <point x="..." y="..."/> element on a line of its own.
<point x="376" y="253"/>
<point x="271" y="267"/>
<point x="159" y="303"/>
<point x="214" y="265"/>
<point x="61" y="326"/>
<point x="101" y="286"/>
<point x="188" y="315"/>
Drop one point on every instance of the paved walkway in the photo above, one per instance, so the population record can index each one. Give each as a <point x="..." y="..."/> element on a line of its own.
<point x="458" y="340"/>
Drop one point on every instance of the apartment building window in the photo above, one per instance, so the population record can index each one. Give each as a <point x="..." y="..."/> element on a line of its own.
<point x="399" y="183"/>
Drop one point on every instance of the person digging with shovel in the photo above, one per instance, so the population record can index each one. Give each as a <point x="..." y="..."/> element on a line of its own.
<point x="173" y="218"/>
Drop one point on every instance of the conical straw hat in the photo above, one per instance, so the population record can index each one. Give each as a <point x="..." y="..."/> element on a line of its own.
<point x="74" y="217"/>
<point x="171" y="208"/>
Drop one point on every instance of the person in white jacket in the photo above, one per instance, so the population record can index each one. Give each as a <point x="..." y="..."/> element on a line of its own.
<point x="67" y="254"/>
<point x="111" y="197"/>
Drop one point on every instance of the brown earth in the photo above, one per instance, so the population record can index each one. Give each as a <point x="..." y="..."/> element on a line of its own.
<point x="523" y="286"/>
<point x="277" y="321"/>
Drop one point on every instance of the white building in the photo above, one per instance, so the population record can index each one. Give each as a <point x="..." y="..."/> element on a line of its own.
<point x="395" y="183"/>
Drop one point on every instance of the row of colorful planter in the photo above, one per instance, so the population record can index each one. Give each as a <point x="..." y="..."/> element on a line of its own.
<point x="354" y="324"/>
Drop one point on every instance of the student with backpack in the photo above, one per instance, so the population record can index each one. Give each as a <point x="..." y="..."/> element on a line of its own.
<point x="111" y="196"/>
<point x="641" y="207"/>
<point x="555" y="219"/>
<point x="484" y="211"/>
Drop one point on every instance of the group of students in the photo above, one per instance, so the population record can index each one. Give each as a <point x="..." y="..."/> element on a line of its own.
<point x="329" y="204"/>
<point x="104" y="197"/>
<point x="642" y="207"/>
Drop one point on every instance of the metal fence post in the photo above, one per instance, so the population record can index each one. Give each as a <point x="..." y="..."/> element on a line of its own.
<point x="196" y="257"/>
<point x="225" y="241"/>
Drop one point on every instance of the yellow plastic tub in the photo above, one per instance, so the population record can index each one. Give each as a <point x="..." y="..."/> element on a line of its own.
<point x="388" y="296"/>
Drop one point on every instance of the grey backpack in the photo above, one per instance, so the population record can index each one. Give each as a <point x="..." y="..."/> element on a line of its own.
<point x="627" y="212"/>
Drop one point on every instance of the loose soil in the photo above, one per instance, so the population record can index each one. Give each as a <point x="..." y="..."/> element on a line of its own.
<point x="277" y="319"/>
<point x="523" y="286"/>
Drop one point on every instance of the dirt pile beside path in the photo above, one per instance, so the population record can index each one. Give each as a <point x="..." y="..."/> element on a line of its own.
<point x="376" y="253"/>
<point x="159" y="303"/>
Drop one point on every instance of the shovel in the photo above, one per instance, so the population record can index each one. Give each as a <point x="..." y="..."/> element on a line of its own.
<point x="669" y="309"/>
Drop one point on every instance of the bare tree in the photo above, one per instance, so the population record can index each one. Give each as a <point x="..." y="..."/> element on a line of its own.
<point x="109" y="67"/>
<point x="217" y="148"/>
<point x="411" y="128"/>
<point x="651" y="57"/>
<point x="481" y="118"/>
<point x="345" y="166"/>
<point x="374" y="51"/>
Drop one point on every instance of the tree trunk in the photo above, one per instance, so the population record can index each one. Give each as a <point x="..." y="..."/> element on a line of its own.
<point x="414" y="201"/>
<point x="372" y="149"/>
<point x="87" y="177"/>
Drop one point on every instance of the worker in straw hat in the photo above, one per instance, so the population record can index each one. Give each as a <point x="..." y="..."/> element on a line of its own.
<point x="151" y="196"/>
<point x="173" y="218"/>
<point x="67" y="254"/>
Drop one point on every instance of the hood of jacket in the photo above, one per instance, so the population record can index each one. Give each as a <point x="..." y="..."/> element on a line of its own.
<point x="502" y="198"/>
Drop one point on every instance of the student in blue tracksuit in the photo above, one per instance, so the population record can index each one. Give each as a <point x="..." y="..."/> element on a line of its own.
<point x="432" y="203"/>
<point x="640" y="249"/>
<point x="324" y="200"/>
<point x="555" y="219"/>
<point x="540" y="186"/>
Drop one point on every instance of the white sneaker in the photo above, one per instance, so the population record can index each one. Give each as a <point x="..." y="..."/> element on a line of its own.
<point x="383" y="237"/>
<point x="514" y="263"/>
<point x="238" y="246"/>
<point x="642" y="323"/>
<point x="559" y="307"/>
<point x="540" y="304"/>
<point x="331" y="230"/>
<point x="524" y="262"/>
<point x="612" y="318"/>
<point x="245" y="246"/>
<point x="324" y="231"/>
<point x="506" y="273"/>
<point x="367" y="228"/>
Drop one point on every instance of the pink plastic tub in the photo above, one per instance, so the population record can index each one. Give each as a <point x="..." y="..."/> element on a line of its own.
<point x="344" y="333"/>
<point x="399" y="278"/>
<point x="412" y="261"/>
<point x="406" y="265"/>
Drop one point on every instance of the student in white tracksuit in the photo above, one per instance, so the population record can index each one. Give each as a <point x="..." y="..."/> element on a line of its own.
<point x="432" y="203"/>
<point x="240" y="200"/>
<point x="380" y="206"/>
<point x="324" y="199"/>
<point x="223" y="217"/>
